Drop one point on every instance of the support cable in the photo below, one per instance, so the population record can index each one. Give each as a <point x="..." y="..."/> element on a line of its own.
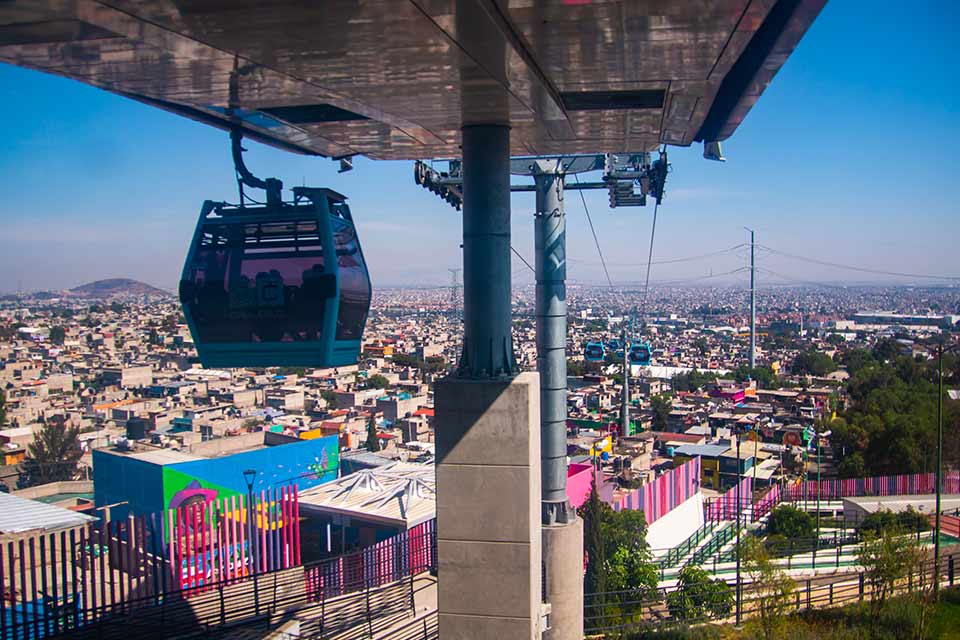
<point x="522" y="259"/>
<point x="594" y="232"/>
<point x="646" y="284"/>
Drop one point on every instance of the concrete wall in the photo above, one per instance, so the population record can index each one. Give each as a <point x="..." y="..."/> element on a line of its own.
<point x="579" y="483"/>
<point x="676" y="526"/>
<point x="488" y="508"/>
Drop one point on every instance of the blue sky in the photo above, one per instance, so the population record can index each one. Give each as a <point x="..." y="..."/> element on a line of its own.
<point x="849" y="157"/>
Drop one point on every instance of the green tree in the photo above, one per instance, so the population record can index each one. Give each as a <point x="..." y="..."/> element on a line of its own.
<point x="909" y="521"/>
<point x="698" y="596"/>
<point x="378" y="381"/>
<point x="594" y="511"/>
<point x="407" y="360"/>
<point x="576" y="368"/>
<point x="886" y="560"/>
<point x="852" y="466"/>
<point x="52" y="456"/>
<point x="373" y="441"/>
<point x="890" y="416"/>
<point x="57" y="334"/>
<point x="330" y="396"/>
<point x="631" y="574"/>
<point x="661" y="407"/>
<point x="763" y="376"/>
<point x="693" y="380"/>
<point x="770" y="588"/>
<point x="3" y="408"/>
<point x="813" y="363"/>
<point x="791" y="523"/>
<point x="434" y="364"/>
<point x="857" y="359"/>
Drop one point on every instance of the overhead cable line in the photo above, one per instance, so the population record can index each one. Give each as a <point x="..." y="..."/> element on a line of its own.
<point x="795" y="280"/>
<point x="646" y="284"/>
<point x="701" y="256"/>
<point x="594" y="232"/>
<point x="693" y="279"/>
<point x="837" y="265"/>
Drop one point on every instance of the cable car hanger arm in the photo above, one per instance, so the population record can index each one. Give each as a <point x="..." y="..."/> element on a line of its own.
<point x="272" y="186"/>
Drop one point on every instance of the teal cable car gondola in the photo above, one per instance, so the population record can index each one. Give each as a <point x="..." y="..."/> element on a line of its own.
<point x="639" y="354"/>
<point x="594" y="352"/>
<point x="276" y="284"/>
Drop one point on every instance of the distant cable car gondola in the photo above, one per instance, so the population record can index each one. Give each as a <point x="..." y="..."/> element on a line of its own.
<point x="639" y="354"/>
<point x="613" y="345"/>
<point x="276" y="284"/>
<point x="594" y="352"/>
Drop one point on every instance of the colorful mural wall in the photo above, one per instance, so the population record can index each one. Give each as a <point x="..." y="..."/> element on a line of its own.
<point x="142" y="487"/>
<point x="664" y="494"/>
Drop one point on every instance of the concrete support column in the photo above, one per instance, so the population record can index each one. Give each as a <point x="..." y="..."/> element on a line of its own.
<point x="487" y="340"/>
<point x="488" y="508"/>
<point x="563" y="584"/>
<point x="562" y="532"/>
<point x="551" y="301"/>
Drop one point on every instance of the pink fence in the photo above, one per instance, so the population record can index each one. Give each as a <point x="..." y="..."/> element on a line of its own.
<point x="725" y="507"/>
<point x="916" y="483"/>
<point x="226" y="538"/>
<point x="664" y="494"/>
<point x="765" y="504"/>
<point x="405" y="554"/>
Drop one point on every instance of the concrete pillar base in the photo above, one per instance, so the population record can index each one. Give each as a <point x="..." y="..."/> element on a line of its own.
<point x="488" y="508"/>
<point x="563" y="564"/>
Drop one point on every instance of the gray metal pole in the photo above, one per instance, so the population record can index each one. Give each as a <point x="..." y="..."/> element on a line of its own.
<point x="625" y="400"/>
<point x="739" y="592"/>
<point x="551" y="298"/>
<point x="818" y="489"/>
<point x="487" y="340"/>
<point x="753" y="308"/>
<point x="939" y="475"/>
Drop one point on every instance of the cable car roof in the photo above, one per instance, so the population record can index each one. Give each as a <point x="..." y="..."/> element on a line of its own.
<point x="396" y="79"/>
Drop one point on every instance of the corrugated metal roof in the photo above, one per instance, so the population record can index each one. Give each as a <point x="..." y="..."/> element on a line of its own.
<point x="399" y="494"/>
<point x="18" y="515"/>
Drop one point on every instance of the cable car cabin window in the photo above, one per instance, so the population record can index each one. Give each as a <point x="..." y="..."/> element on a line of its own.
<point x="354" y="282"/>
<point x="260" y="282"/>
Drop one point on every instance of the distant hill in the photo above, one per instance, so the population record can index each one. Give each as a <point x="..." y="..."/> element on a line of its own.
<point x="117" y="287"/>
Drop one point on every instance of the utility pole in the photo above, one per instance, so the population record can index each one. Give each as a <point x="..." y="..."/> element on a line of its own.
<point x="739" y="616"/>
<point x="753" y="305"/>
<point x="941" y="349"/>
<point x="625" y="405"/>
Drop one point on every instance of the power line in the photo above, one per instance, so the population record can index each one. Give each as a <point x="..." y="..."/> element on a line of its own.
<point x="594" y="232"/>
<point x="795" y="280"/>
<point x="668" y="261"/>
<point x="838" y="265"/>
<point x="693" y="279"/>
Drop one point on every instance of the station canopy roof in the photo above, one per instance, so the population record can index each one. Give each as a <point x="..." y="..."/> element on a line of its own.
<point x="397" y="79"/>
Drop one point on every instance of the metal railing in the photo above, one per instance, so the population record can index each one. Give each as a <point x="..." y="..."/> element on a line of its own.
<point x="677" y="553"/>
<point x="615" y="611"/>
<point x="375" y="584"/>
<point x="712" y="547"/>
